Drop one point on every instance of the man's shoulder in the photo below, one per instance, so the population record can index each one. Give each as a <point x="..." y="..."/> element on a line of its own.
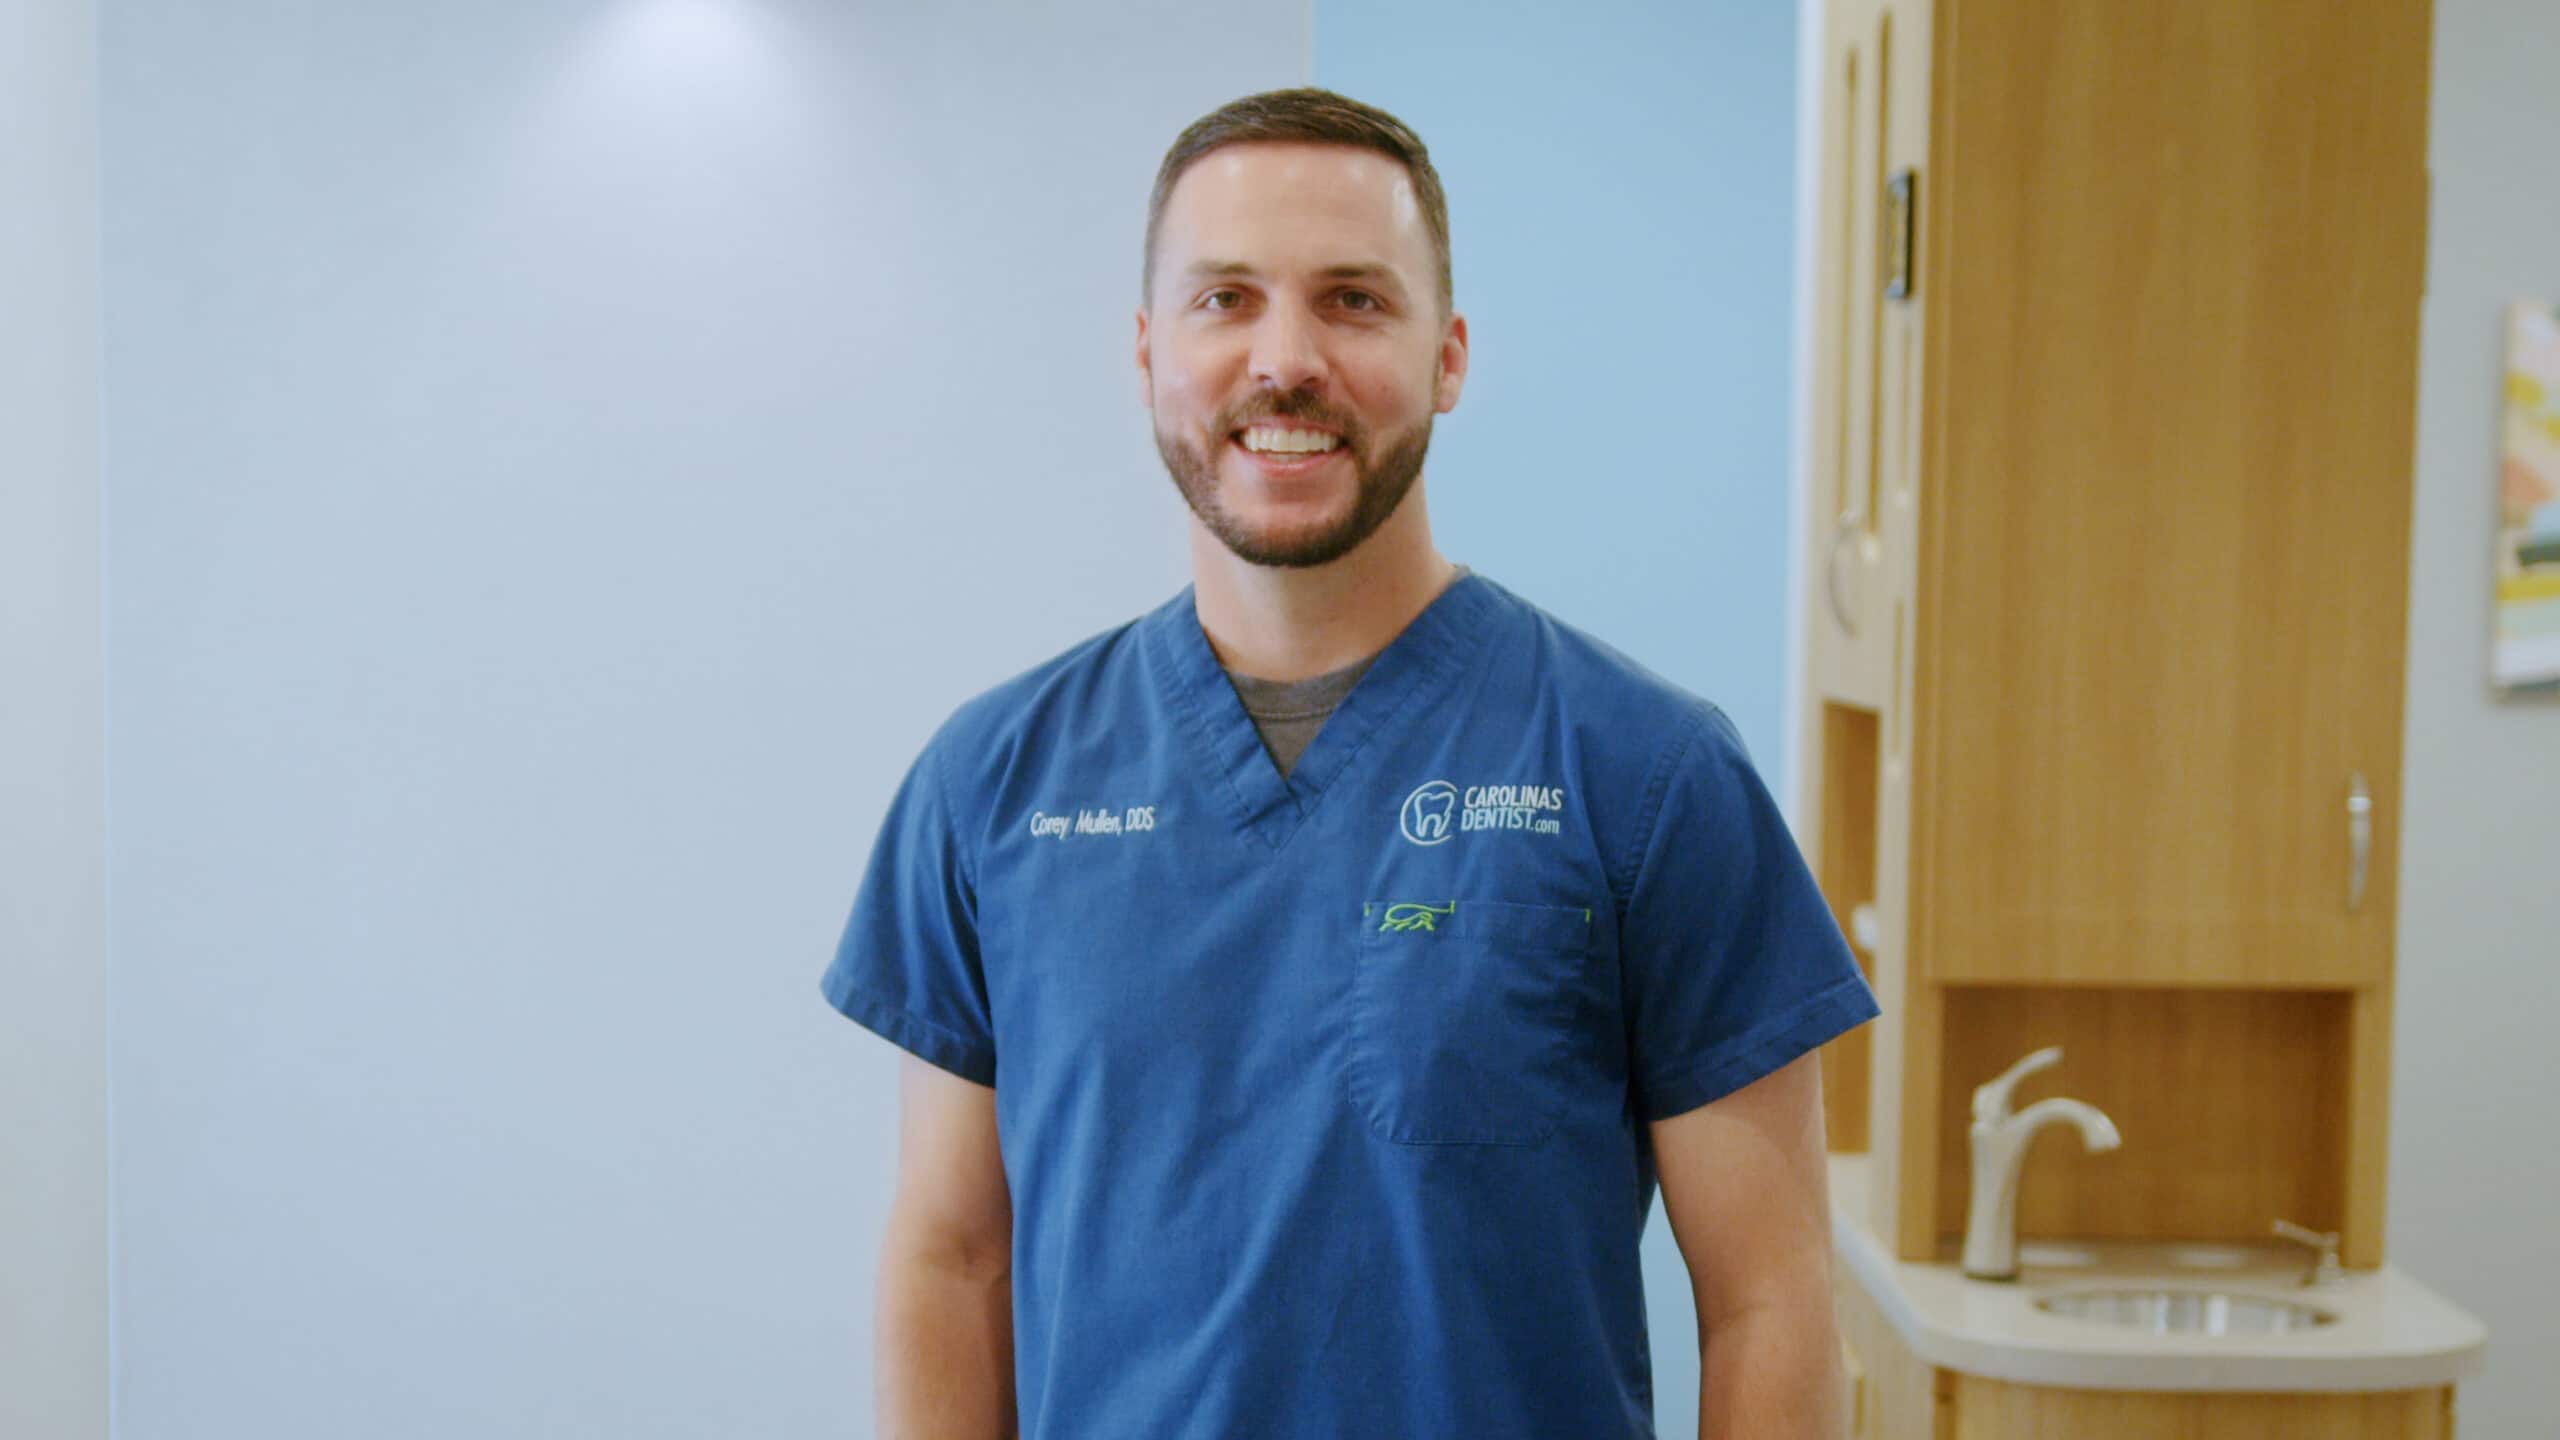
<point x="1615" y="696"/>
<point x="1634" y="739"/>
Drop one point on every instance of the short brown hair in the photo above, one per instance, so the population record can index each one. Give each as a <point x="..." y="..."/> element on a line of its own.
<point x="1311" y="115"/>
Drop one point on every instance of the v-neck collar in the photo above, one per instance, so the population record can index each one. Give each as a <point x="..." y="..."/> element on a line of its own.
<point x="1262" y="803"/>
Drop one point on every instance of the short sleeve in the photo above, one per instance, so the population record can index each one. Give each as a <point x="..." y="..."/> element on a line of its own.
<point x="1731" y="963"/>
<point x="908" y="968"/>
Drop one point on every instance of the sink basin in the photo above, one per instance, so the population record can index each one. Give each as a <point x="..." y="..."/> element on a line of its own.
<point x="2185" y="1312"/>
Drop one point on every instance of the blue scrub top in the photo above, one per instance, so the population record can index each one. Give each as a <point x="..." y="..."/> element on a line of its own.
<point x="1323" y="1098"/>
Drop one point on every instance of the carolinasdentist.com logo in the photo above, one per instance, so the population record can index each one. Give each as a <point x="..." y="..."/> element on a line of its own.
<point x="1437" y="810"/>
<point x="1426" y="813"/>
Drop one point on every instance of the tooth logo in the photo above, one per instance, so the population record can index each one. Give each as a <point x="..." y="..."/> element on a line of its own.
<point x="1425" y="820"/>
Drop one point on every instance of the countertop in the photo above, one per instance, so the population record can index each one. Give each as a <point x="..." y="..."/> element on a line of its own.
<point x="2391" y="1333"/>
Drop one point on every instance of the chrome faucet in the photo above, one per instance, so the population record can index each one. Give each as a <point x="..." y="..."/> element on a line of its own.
<point x="2326" y="1270"/>
<point x="1999" y="1143"/>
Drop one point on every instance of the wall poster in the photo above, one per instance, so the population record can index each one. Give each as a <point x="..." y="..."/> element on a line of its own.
<point x="2524" y="655"/>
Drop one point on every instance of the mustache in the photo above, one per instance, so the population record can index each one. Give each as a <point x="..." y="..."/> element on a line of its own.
<point x="1294" y="405"/>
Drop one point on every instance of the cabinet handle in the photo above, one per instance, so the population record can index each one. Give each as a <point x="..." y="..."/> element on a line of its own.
<point x="2359" y="837"/>
<point x="1831" y="572"/>
<point x="1901" y="217"/>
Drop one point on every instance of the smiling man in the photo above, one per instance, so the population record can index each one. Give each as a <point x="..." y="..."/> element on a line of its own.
<point x="1309" y="983"/>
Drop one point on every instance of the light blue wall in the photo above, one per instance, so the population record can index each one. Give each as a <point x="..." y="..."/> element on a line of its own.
<point x="1621" y="186"/>
<point x="564" y="458"/>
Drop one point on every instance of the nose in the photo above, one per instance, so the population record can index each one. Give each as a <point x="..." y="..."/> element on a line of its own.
<point x="1286" y="353"/>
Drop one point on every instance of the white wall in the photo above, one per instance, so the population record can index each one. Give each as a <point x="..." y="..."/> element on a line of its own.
<point x="53" y="918"/>
<point x="566" y="457"/>
<point x="2474" y="1166"/>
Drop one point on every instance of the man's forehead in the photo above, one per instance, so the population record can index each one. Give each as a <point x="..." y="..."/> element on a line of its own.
<point x="1339" y="181"/>
<point x="1286" y="162"/>
<point x="1375" y="271"/>
<point x="1355" y="204"/>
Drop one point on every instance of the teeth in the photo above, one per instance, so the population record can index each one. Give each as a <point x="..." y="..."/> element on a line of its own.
<point x="1265" y="437"/>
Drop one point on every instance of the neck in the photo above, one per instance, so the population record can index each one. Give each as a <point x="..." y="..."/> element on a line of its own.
<point x="1276" y="623"/>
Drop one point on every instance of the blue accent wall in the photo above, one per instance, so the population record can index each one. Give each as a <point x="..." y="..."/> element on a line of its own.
<point x="1621" y="184"/>
<point x="1621" y="191"/>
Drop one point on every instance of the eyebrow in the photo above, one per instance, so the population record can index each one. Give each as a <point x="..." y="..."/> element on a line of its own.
<point x="1369" y="270"/>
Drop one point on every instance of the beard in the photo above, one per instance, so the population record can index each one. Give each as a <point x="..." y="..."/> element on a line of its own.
<point x="1380" y="486"/>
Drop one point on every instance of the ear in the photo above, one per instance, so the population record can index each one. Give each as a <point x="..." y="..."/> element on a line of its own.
<point x="1453" y="366"/>
<point x="1146" y="368"/>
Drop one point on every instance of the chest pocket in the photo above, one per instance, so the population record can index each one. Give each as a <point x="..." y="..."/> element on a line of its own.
<point x="1461" y="1019"/>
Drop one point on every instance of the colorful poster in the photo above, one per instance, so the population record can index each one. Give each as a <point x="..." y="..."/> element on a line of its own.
<point x="2525" y="651"/>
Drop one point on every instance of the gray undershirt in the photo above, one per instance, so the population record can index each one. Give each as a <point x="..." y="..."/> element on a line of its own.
<point x="1288" y="713"/>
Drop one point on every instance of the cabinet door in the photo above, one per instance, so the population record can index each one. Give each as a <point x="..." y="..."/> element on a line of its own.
<point x="1863" y="452"/>
<point x="2164" y="540"/>
<point x="1853" y="1398"/>
<point x="1873" y="100"/>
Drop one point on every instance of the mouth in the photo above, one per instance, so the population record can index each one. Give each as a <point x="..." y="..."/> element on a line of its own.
<point x="1284" y="449"/>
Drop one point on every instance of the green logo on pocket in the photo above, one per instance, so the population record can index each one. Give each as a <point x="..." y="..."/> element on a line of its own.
<point x="1416" y="917"/>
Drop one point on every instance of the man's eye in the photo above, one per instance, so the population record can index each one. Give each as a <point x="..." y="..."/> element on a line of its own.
<point x="1210" y="299"/>
<point x="1368" y="301"/>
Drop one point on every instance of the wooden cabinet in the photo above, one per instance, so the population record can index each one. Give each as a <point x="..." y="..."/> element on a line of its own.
<point x="1898" y="1396"/>
<point x="1864" y="454"/>
<point x="2106" y="588"/>
<point x="2111" y="508"/>
<point x="2165" y="543"/>
<point x="1863" y="448"/>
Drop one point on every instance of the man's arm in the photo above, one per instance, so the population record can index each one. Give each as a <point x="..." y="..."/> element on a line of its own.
<point x="943" y="1362"/>
<point x="1744" y="1187"/>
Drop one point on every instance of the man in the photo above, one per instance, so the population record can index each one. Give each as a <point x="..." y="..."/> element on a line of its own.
<point x="1310" y="981"/>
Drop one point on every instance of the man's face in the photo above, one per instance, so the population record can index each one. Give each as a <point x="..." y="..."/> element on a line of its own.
<point x="1295" y="304"/>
